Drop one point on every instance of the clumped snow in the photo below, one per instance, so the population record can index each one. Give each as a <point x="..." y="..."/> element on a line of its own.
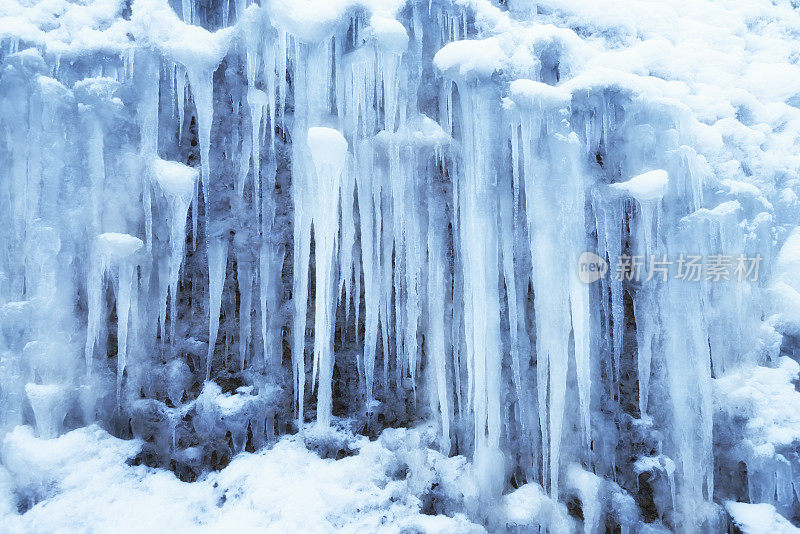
<point x="317" y="265"/>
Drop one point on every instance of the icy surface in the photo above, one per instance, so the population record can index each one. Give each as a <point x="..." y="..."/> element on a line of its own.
<point x="241" y="239"/>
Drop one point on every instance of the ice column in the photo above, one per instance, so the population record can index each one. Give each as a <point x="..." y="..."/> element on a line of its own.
<point x="312" y="74"/>
<point x="329" y="153"/>
<point x="119" y="250"/>
<point x="555" y="200"/>
<point x="647" y="190"/>
<point x="476" y="202"/>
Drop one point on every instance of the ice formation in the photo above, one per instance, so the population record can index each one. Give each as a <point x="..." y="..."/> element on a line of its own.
<point x="239" y="236"/>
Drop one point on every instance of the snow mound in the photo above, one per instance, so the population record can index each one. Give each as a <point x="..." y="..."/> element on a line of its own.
<point x="530" y="507"/>
<point x="471" y="58"/>
<point x="82" y="479"/>
<point x="759" y="519"/>
<point x="114" y="245"/>
<point x="175" y="179"/>
<point x="645" y="187"/>
<point x="328" y="148"/>
<point x="768" y="399"/>
<point x="529" y="93"/>
<point x="390" y="34"/>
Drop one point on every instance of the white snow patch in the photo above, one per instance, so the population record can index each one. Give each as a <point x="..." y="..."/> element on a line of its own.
<point x="390" y="34"/>
<point x="645" y="187"/>
<point x="471" y="58"/>
<point x="175" y="179"/>
<point x="529" y="506"/>
<point x="112" y="245"/>
<point x="766" y="397"/>
<point x="759" y="518"/>
<point x="81" y="479"/>
<point x="783" y="294"/>
<point x="528" y="93"/>
<point x="328" y="148"/>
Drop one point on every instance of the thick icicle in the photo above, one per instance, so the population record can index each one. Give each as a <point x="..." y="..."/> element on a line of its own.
<point x="177" y="183"/>
<point x="118" y="249"/>
<point x="201" y="81"/>
<point x="437" y="347"/>
<point x="328" y="150"/>
<point x="551" y="170"/>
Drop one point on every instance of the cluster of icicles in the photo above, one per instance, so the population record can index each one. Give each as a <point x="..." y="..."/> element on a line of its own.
<point x="446" y="209"/>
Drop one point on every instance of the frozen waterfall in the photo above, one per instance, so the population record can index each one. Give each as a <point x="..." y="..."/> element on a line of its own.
<point x="527" y="266"/>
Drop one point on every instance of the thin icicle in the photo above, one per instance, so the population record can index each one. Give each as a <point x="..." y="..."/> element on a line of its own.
<point x="217" y="261"/>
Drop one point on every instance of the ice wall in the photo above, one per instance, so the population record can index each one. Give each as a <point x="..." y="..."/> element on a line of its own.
<point x="227" y="220"/>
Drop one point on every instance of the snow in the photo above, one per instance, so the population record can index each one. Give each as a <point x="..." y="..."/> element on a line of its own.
<point x="757" y="518"/>
<point x="645" y="187"/>
<point x="176" y="179"/>
<point x="390" y="34"/>
<point x="764" y="397"/>
<point x="114" y="245"/>
<point x="528" y="93"/>
<point x="471" y="58"/>
<point x="787" y="264"/>
<point x="328" y="149"/>
<point x="155" y="24"/>
<point x="784" y="290"/>
<point x="89" y="486"/>
<point x="528" y="506"/>
<point x="67" y="29"/>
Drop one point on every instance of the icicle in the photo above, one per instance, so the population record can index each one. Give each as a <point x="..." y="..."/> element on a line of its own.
<point x="507" y="239"/>
<point x="244" y="162"/>
<point x="180" y="96"/>
<point x="201" y="81"/>
<point x="50" y="404"/>
<point x="217" y="261"/>
<point x="437" y="348"/>
<point x="348" y="230"/>
<point x="126" y="274"/>
<point x="94" y="289"/>
<point x="96" y="170"/>
<point x="281" y="48"/>
<point x="313" y="195"/>
<point x="269" y="75"/>
<point x="551" y="170"/>
<point x="257" y="100"/>
<point x="479" y="247"/>
<point x="117" y="250"/>
<point x="329" y="153"/>
<point x="147" y="111"/>
<point x="187" y="7"/>
<point x="369" y="219"/>
<point x="244" y="277"/>
<point x="271" y="256"/>
<point x="177" y="183"/>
